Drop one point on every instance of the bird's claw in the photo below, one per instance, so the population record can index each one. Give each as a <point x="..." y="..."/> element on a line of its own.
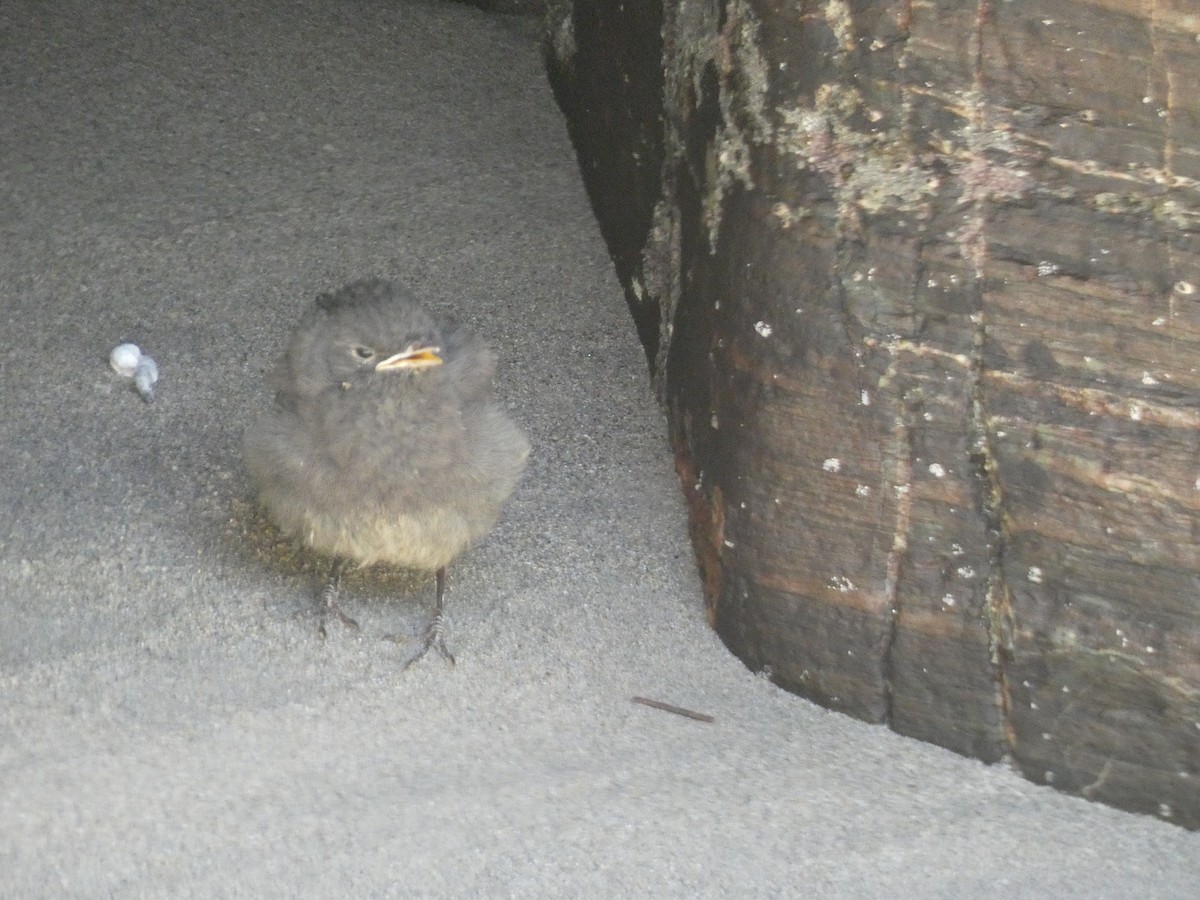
<point x="341" y="616"/>
<point x="435" y="639"/>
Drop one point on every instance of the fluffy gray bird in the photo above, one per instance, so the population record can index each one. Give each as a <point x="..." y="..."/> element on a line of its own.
<point x="384" y="444"/>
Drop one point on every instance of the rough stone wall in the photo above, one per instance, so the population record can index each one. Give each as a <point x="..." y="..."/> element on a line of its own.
<point x="920" y="285"/>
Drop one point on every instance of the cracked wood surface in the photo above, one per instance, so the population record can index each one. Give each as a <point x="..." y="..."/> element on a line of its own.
<point x="929" y="282"/>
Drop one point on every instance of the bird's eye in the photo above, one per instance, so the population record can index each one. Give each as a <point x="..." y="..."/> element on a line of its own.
<point x="364" y="352"/>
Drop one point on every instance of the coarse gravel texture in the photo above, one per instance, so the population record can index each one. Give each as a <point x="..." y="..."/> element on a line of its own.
<point x="187" y="176"/>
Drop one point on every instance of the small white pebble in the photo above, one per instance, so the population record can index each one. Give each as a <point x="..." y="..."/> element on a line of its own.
<point x="763" y="329"/>
<point x="124" y="359"/>
<point x="862" y="490"/>
<point x="1035" y="574"/>
<point x="936" y="470"/>
<point x="833" y="464"/>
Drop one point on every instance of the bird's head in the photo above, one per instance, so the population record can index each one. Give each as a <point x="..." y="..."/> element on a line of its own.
<point x="356" y="357"/>
<point x="370" y="333"/>
<point x="363" y="357"/>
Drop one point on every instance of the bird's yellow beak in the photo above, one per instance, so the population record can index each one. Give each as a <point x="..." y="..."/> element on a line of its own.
<point x="415" y="357"/>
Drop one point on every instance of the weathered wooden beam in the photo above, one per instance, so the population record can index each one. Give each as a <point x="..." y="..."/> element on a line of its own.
<point x="924" y="281"/>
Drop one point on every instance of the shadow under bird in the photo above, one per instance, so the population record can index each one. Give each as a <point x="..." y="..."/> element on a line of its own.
<point x="384" y="443"/>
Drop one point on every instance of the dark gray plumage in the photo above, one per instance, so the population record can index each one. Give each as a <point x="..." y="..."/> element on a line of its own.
<point x="384" y="444"/>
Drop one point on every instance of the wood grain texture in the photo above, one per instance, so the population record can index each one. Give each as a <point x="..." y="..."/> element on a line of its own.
<point x="928" y="290"/>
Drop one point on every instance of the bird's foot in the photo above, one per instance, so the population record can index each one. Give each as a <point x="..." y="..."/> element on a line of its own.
<point x="329" y="604"/>
<point x="341" y="616"/>
<point x="435" y="639"/>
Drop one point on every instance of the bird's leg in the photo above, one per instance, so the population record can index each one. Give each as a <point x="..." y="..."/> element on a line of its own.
<point x="329" y="596"/>
<point x="435" y="634"/>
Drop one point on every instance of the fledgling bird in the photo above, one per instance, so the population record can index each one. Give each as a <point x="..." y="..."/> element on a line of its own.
<point x="384" y="443"/>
